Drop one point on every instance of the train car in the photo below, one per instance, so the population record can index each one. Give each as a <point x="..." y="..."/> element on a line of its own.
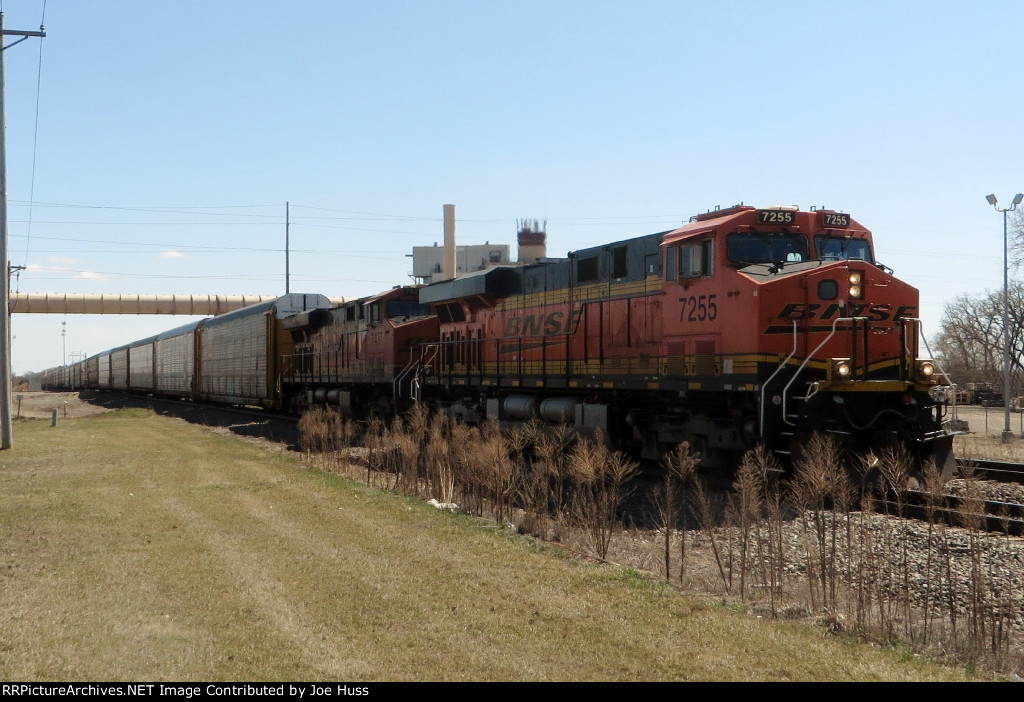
<point x="53" y="379"/>
<point x="91" y="373"/>
<point x="174" y="353"/>
<point x="61" y="378"/>
<point x="234" y="358"/>
<point x="103" y="374"/>
<point x="240" y="353"/>
<point x="119" y="369"/>
<point x="745" y="325"/>
<point x="359" y="356"/>
<point x="140" y="366"/>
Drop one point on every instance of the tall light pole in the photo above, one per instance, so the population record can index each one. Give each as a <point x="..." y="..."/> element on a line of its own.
<point x="1007" y="434"/>
<point x="64" y="342"/>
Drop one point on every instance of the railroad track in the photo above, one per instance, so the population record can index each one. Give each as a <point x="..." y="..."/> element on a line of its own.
<point x="992" y="515"/>
<point x="956" y="510"/>
<point x="983" y="469"/>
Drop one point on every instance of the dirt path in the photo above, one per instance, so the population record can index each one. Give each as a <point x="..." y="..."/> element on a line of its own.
<point x="40" y="405"/>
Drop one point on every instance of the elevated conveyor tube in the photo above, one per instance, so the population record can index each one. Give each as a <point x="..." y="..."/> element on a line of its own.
<point x="89" y="303"/>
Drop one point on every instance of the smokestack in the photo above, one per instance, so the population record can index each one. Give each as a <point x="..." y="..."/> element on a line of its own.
<point x="532" y="239"/>
<point x="448" y="255"/>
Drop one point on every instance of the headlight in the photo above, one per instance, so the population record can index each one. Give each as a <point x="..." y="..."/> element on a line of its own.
<point x="841" y="369"/>
<point x="926" y="368"/>
<point x="855" y="288"/>
<point x="939" y="394"/>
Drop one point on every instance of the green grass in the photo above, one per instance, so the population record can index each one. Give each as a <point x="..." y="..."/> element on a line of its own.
<point x="135" y="547"/>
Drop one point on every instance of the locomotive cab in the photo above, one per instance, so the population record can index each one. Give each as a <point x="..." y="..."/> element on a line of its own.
<point x="806" y="331"/>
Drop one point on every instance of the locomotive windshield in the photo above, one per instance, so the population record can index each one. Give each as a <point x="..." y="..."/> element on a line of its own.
<point x="745" y="249"/>
<point x="834" y="248"/>
<point x="406" y="308"/>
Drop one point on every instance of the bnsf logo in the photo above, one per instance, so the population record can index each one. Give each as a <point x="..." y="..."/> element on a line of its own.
<point x="542" y="324"/>
<point x="876" y="313"/>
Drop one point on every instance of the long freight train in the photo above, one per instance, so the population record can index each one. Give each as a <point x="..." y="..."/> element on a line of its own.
<point x="746" y="325"/>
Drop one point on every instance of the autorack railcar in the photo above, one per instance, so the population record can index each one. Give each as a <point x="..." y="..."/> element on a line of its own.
<point x="240" y="354"/>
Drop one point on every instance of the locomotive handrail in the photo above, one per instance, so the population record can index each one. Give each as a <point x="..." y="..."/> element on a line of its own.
<point x="807" y="359"/>
<point x="415" y="386"/>
<point x="949" y="381"/>
<point x="428" y="352"/>
<point x="922" y="337"/>
<point x="396" y="385"/>
<point x="907" y="354"/>
<point x="772" y="376"/>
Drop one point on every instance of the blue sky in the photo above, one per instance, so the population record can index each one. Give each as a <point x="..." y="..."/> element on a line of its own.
<point x="171" y="134"/>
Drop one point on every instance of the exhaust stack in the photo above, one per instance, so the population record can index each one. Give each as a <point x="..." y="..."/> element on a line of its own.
<point x="448" y="257"/>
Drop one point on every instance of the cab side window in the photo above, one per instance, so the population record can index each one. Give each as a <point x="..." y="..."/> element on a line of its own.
<point x="695" y="260"/>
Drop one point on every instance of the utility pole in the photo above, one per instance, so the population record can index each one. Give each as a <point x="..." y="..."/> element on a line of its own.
<point x="6" y="431"/>
<point x="287" y="227"/>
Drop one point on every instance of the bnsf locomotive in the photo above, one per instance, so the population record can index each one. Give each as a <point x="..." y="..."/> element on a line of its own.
<point x="746" y="325"/>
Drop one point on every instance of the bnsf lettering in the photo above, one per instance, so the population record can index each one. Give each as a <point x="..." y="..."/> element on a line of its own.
<point x="876" y="313"/>
<point x="532" y="324"/>
<point x="797" y="310"/>
<point x="541" y="324"/>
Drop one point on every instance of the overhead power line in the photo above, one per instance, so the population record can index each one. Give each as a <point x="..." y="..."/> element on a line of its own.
<point x="351" y="215"/>
<point x="35" y="147"/>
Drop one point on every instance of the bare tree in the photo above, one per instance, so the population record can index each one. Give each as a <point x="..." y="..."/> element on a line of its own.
<point x="970" y="341"/>
<point x="1015" y="230"/>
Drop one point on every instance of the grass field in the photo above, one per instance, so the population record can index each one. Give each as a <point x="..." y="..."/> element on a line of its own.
<point x="136" y="547"/>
